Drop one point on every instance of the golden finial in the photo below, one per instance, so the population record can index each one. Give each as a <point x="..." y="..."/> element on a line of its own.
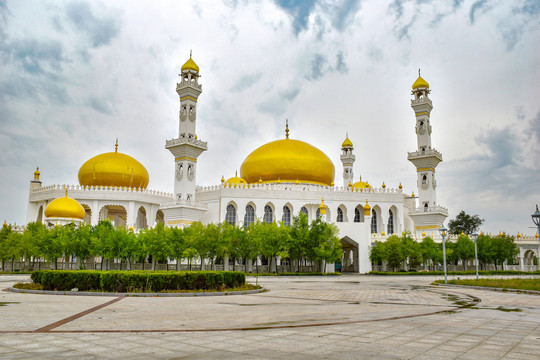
<point x="383" y="185"/>
<point x="190" y="51"/>
<point x="322" y="208"/>
<point x="36" y="174"/>
<point x="236" y="173"/>
<point x="116" y="146"/>
<point x="412" y="194"/>
<point x="400" y="186"/>
<point x="536" y="236"/>
<point x="423" y="233"/>
<point x="332" y="184"/>
<point x="350" y="184"/>
<point x="279" y="180"/>
<point x="418" y="72"/>
<point x="131" y="228"/>
<point x="222" y="179"/>
<point x="462" y="233"/>
<point x="5" y="224"/>
<point x="518" y="235"/>
<point x="382" y="233"/>
<point x="287" y="129"/>
<point x="65" y="188"/>
<point x="297" y="182"/>
<point x="260" y="179"/>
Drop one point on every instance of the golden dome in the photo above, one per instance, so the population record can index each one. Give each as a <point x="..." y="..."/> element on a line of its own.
<point x="113" y="169"/>
<point x="190" y="65"/>
<point x="420" y="83"/>
<point x="347" y="143"/>
<point x="361" y="185"/>
<point x="65" y="207"/>
<point x="235" y="181"/>
<point x="289" y="161"/>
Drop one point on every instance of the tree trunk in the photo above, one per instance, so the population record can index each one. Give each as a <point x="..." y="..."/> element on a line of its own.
<point x="178" y="264"/>
<point x="226" y="262"/>
<point x="249" y="263"/>
<point x="202" y="264"/>
<point x="272" y="263"/>
<point x="323" y="266"/>
<point x="153" y="263"/>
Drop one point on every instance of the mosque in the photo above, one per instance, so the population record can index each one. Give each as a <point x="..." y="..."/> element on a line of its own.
<point x="276" y="181"/>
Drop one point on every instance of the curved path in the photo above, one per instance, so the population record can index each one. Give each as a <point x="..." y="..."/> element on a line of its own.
<point x="345" y="315"/>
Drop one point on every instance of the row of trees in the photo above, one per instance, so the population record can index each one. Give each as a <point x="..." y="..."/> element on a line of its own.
<point x="397" y="251"/>
<point x="316" y="242"/>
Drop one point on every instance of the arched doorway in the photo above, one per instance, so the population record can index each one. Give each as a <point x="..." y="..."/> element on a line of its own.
<point x="160" y="217"/>
<point x="141" y="221"/>
<point x="87" y="214"/>
<point x="117" y="214"/>
<point x="349" y="260"/>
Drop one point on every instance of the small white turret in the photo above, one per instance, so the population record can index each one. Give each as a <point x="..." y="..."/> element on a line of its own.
<point x="347" y="158"/>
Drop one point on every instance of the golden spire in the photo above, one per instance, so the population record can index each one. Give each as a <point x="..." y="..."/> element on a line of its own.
<point x="400" y="186"/>
<point x="116" y="146"/>
<point x="222" y="179"/>
<point x="36" y="174"/>
<point x="322" y="208"/>
<point x="287" y="129"/>
<point x="65" y="188"/>
<point x="5" y="224"/>
<point x="383" y="185"/>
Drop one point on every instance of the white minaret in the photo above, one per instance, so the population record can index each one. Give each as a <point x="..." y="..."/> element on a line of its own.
<point x="347" y="158"/>
<point x="187" y="148"/>
<point x="428" y="215"/>
<point x="425" y="158"/>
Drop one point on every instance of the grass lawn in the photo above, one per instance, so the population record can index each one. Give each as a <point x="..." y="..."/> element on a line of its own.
<point x="520" y="284"/>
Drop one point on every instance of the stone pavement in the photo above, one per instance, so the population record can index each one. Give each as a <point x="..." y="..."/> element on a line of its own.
<point x="347" y="317"/>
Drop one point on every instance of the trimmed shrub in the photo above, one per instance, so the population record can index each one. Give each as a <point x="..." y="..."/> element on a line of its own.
<point x="137" y="281"/>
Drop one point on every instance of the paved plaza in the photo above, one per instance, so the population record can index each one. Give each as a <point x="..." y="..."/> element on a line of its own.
<point x="346" y="317"/>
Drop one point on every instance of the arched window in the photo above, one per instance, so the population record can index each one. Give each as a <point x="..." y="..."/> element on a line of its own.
<point x="356" y="215"/>
<point x="286" y="216"/>
<point x="230" y="217"/>
<point x="249" y="218"/>
<point x="390" y="222"/>
<point x="318" y="213"/>
<point x="268" y="216"/>
<point x="339" y="215"/>
<point x="373" y="221"/>
<point x="304" y="210"/>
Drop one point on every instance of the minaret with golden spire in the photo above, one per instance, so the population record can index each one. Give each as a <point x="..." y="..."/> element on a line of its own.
<point x="347" y="159"/>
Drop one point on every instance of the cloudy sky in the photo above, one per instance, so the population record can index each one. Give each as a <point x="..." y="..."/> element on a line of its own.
<point x="77" y="74"/>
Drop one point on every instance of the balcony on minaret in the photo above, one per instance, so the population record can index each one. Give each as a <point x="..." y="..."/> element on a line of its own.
<point x="425" y="158"/>
<point x="422" y="100"/>
<point x="185" y="141"/>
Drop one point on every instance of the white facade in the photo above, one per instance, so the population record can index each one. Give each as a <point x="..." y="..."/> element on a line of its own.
<point x="391" y="212"/>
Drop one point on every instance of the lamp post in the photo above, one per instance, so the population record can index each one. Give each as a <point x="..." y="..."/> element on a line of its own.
<point x="536" y="221"/>
<point x="475" y="236"/>
<point x="442" y="230"/>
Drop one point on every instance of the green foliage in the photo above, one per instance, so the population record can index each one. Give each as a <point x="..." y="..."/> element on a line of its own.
<point x="138" y="281"/>
<point x="464" y="223"/>
<point x="520" y="284"/>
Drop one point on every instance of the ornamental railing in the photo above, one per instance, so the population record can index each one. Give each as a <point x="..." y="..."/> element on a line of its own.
<point x="116" y="189"/>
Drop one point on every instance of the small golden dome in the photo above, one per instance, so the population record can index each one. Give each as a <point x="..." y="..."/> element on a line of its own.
<point x="383" y="185"/>
<point x="190" y="65"/>
<point x="536" y="236"/>
<point x="420" y="83"/>
<point x="400" y="186"/>
<point x="290" y="160"/>
<point x="347" y="143"/>
<point x="423" y="233"/>
<point x="518" y="235"/>
<point x="462" y="233"/>
<point x="235" y="181"/>
<point x="382" y="233"/>
<point x="131" y="228"/>
<point x="36" y="174"/>
<point x="65" y="207"/>
<point x="222" y="179"/>
<point x="412" y="194"/>
<point x="5" y="224"/>
<point x="114" y="169"/>
<point x="361" y="185"/>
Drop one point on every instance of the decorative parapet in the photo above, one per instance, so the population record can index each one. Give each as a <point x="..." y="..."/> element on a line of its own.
<point x="421" y="101"/>
<point x="186" y="140"/>
<point x="297" y="187"/>
<point x="116" y="189"/>
<point x="425" y="153"/>
<point x="431" y="209"/>
<point x="189" y="83"/>
<point x="183" y="202"/>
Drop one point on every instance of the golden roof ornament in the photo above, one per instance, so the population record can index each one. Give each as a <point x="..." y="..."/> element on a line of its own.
<point x="287" y="129"/>
<point x="116" y="146"/>
<point x="400" y="186"/>
<point x="222" y="179"/>
<point x="36" y="174"/>
<point x="383" y="185"/>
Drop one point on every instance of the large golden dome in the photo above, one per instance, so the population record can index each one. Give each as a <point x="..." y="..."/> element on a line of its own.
<point x="65" y="207"/>
<point x="113" y="169"/>
<point x="288" y="161"/>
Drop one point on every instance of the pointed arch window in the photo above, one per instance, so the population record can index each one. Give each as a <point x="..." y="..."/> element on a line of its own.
<point x="249" y="218"/>
<point x="390" y="222"/>
<point x="339" y="215"/>
<point x="359" y="214"/>
<point x="373" y="221"/>
<point x="230" y="216"/>
<point x="304" y="210"/>
<point x="268" y="215"/>
<point x="318" y="213"/>
<point x="286" y="216"/>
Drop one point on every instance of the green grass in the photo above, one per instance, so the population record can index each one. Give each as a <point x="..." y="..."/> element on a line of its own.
<point x="519" y="284"/>
<point x="468" y="272"/>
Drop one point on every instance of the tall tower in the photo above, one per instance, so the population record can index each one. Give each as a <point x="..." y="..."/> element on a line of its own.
<point x="185" y="149"/>
<point x="425" y="159"/>
<point x="347" y="158"/>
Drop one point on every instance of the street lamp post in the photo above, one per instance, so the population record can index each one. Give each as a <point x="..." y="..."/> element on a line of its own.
<point x="442" y="230"/>
<point x="536" y="221"/>
<point x="475" y="236"/>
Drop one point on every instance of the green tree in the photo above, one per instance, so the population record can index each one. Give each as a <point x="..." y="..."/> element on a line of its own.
<point x="33" y="236"/>
<point x="4" y="251"/>
<point x="82" y="244"/>
<point x="327" y="244"/>
<point x="299" y="238"/>
<point x="429" y="250"/>
<point x="464" y="250"/>
<point x="103" y="238"/>
<point x="197" y="240"/>
<point x="394" y="249"/>
<point x="410" y="250"/>
<point x="178" y="245"/>
<point x="377" y="253"/>
<point x="156" y="245"/>
<point x="465" y="223"/>
<point x="248" y="248"/>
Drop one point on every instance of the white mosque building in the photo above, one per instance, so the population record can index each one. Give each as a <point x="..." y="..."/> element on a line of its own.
<point x="276" y="181"/>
